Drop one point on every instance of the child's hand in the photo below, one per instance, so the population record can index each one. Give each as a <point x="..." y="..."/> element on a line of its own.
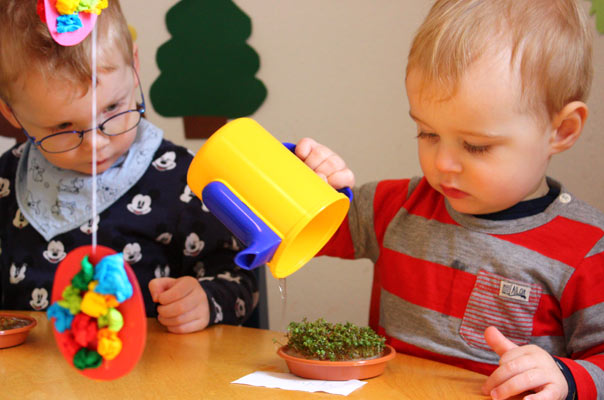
<point x="183" y="304"/>
<point x="522" y="369"/>
<point x="327" y="164"/>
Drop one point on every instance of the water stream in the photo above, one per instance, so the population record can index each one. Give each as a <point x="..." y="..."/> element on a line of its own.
<point x="283" y="292"/>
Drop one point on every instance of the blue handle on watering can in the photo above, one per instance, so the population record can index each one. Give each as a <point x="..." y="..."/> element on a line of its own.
<point x="261" y="241"/>
<point x="346" y="191"/>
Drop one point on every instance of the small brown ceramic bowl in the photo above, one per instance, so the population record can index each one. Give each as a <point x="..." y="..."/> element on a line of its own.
<point x="16" y="327"/>
<point x="337" y="370"/>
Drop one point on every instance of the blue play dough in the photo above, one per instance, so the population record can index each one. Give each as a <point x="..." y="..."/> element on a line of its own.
<point x="63" y="317"/>
<point x="68" y="23"/>
<point x="112" y="278"/>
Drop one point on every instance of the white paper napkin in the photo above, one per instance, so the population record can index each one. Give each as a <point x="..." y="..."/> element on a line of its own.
<point x="291" y="382"/>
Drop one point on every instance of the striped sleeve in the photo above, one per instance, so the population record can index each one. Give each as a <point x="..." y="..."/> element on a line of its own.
<point x="582" y="306"/>
<point x="354" y="239"/>
<point x="372" y="208"/>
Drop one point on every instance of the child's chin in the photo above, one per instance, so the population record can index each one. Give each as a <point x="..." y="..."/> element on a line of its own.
<point x="88" y="170"/>
<point x="100" y="170"/>
<point x="464" y="207"/>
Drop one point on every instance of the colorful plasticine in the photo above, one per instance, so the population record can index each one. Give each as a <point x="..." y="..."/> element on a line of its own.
<point x="88" y="312"/>
<point x="70" y="21"/>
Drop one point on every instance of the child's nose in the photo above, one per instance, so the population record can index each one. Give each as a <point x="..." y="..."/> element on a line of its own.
<point x="447" y="160"/>
<point x="95" y="136"/>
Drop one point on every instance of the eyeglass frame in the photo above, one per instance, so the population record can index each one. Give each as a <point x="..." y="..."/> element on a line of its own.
<point x="140" y="108"/>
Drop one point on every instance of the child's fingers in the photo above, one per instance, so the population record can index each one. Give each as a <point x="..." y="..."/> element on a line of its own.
<point x="317" y="155"/>
<point x="326" y="164"/>
<point x="304" y="148"/>
<point x="329" y="165"/>
<point x="160" y="285"/>
<point x="548" y="392"/>
<point x="190" y="313"/>
<point x="497" y="341"/>
<point x="178" y="289"/>
<point x="531" y="379"/>
<point x="507" y="371"/>
<point x="192" y="326"/>
<point x="341" y="179"/>
<point x="180" y="306"/>
<point x="193" y="320"/>
<point x="172" y="316"/>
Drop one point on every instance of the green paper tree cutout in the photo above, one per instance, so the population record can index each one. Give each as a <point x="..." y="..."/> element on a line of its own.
<point x="207" y="68"/>
<point x="597" y="8"/>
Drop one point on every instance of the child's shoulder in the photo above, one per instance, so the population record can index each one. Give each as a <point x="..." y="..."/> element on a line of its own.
<point x="390" y="187"/>
<point x="580" y="211"/>
<point x="399" y="190"/>
<point x="386" y="197"/>
<point x="169" y="161"/>
<point x="581" y="224"/>
<point x="173" y="150"/>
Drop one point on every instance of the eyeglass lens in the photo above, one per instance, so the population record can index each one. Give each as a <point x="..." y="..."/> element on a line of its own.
<point x="116" y="125"/>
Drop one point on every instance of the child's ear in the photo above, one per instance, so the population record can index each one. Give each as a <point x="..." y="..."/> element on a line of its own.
<point x="567" y="126"/>
<point x="8" y="114"/>
<point x="135" y="58"/>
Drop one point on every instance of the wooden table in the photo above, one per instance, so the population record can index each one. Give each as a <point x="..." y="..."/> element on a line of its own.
<point x="202" y="365"/>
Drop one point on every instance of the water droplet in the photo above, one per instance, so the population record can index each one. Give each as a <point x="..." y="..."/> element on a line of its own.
<point x="283" y="291"/>
<point x="283" y="288"/>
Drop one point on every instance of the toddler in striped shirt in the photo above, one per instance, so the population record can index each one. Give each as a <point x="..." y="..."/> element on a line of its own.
<point x="485" y="262"/>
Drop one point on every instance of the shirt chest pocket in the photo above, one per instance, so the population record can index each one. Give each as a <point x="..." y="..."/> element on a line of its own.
<point x="507" y="304"/>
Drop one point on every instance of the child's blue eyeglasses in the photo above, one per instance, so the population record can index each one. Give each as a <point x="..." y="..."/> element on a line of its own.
<point x="117" y="124"/>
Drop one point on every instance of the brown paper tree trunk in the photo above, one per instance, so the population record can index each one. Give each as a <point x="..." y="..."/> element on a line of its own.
<point x="202" y="126"/>
<point x="7" y="130"/>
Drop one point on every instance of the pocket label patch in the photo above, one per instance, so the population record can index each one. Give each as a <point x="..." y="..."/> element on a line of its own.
<point x="514" y="291"/>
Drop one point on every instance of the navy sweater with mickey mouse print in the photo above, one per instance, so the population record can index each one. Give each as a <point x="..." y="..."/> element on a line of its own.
<point x="159" y="225"/>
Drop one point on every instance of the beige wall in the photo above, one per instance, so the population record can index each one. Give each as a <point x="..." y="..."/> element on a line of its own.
<point x="334" y="71"/>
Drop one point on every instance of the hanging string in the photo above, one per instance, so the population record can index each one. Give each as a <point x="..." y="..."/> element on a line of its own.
<point x="94" y="133"/>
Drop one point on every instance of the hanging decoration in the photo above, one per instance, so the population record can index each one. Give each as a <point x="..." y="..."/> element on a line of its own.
<point x="70" y="21"/>
<point x="98" y="310"/>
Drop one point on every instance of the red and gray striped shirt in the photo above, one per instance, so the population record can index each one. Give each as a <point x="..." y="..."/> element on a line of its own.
<point x="442" y="277"/>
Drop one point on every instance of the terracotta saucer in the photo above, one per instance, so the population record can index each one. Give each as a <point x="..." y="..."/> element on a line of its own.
<point x="337" y="370"/>
<point x="16" y="336"/>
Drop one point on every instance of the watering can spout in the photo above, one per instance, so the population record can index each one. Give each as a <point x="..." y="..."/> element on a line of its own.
<point x="255" y="255"/>
<point x="260" y="239"/>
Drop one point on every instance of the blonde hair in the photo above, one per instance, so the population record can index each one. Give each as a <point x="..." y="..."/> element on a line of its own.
<point x="26" y="45"/>
<point x="550" y="42"/>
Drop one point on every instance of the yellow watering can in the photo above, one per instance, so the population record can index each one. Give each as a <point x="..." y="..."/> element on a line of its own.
<point x="274" y="203"/>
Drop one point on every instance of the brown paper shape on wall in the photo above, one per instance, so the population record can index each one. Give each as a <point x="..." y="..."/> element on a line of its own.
<point x="7" y="130"/>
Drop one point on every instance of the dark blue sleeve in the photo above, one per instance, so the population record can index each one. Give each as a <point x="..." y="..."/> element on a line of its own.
<point x="232" y="292"/>
<point x="8" y="166"/>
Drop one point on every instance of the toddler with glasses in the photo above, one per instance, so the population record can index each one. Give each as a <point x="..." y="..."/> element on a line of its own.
<point x="145" y="208"/>
<point x="485" y="262"/>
